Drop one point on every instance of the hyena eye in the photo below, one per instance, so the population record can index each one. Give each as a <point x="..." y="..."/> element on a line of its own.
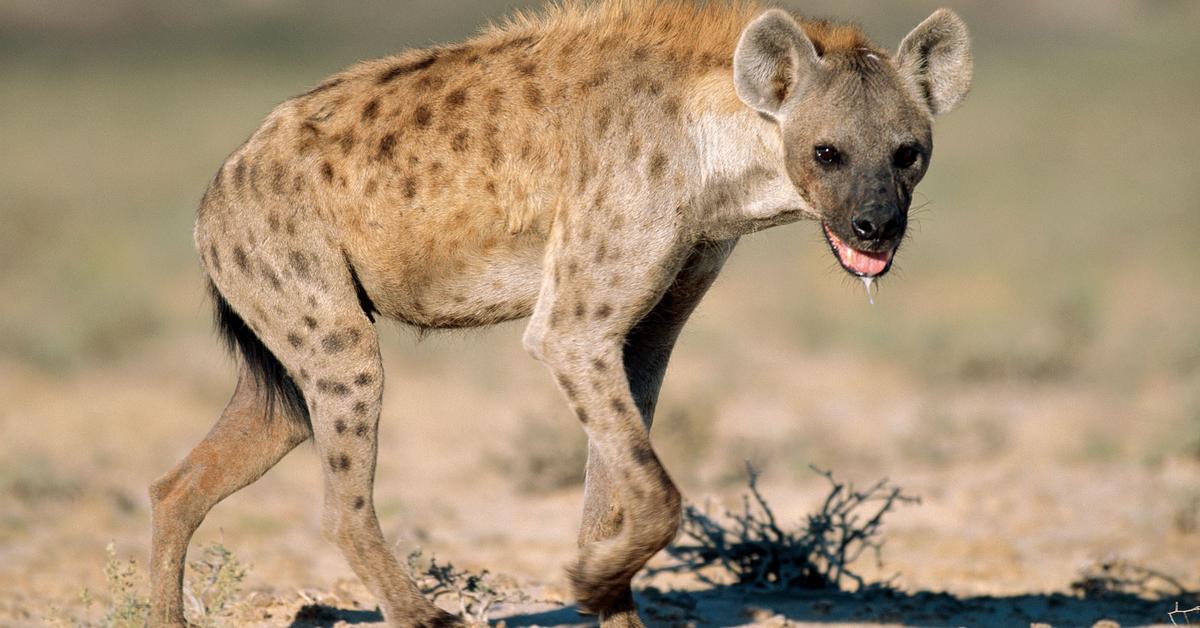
<point x="827" y="155"/>
<point x="906" y="156"/>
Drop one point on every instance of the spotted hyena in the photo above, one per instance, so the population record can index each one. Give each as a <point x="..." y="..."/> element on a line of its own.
<point x="592" y="167"/>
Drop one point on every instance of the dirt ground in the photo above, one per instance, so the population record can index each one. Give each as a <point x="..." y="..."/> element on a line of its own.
<point x="1014" y="502"/>
<point x="1031" y="370"/>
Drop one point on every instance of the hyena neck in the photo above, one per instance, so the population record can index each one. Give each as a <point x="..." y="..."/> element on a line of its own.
<point x="740" y="173"/>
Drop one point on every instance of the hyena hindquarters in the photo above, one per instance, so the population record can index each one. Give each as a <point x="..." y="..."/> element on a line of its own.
<point x="287" y="296"/>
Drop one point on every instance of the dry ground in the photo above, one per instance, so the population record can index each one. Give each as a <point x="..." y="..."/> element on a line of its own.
<point x="1033" y="373"/>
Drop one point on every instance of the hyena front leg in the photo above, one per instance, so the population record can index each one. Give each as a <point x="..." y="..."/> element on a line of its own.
<point x="647" y="351"/>
<point x="583" y="316"/>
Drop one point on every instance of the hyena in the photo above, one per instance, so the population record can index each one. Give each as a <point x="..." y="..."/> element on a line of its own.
<point x="592" y="167"/>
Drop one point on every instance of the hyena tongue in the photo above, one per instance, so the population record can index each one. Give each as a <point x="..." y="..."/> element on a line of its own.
<point x="862" y="262"/>
<point x="869" y="282"/>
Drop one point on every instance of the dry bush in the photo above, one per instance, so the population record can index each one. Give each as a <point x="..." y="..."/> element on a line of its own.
<point x="211" y="594"/>
<point x="760" y="555"/>
<point x="215" y="586"/>
<point x="475" y="594"/>
<point x="127" y="606"/>
<point x="1117" y="577"/>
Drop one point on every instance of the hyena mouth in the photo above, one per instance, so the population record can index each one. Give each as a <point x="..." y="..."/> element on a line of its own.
<point x="856" y="262"/>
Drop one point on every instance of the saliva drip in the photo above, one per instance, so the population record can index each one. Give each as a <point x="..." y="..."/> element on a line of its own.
<point x="869" y="282"/>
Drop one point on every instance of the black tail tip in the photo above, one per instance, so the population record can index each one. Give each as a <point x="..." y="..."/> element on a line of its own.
<point x="267" y="370"/>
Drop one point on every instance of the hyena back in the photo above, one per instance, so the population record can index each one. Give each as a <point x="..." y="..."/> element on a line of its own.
<point x="591" y="167"/>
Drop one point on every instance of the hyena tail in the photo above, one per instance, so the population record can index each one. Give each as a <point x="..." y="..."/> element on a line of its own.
<point x="267" y="370"/>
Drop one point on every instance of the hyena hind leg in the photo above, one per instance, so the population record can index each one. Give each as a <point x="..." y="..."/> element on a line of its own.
<point x="246" y="442"/>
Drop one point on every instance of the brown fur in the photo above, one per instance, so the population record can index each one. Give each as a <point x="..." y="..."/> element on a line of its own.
<point x="592" y="165"/>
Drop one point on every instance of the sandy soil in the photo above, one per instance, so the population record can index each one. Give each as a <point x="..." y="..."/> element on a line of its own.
<point x="1013" y="506"/>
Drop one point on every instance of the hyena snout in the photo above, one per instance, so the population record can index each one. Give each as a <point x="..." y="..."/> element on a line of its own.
<point x="878" y="223"/>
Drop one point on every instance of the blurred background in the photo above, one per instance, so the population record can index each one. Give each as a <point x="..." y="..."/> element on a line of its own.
<point x="1031" y="368"/>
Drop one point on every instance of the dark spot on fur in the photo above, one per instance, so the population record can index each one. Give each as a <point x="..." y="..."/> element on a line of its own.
<point x="364" y="379"/>
<point x="618" y="405"/>
<point x="461" y="141"/>
<point x="273" y="221"/>
<point x="567" y="387"/>
<point x="271" y="276"/>
<point x="309" y="135"/>
<point x="341" y="462"/>
<point x="361" y="408"/>
<point x="360" y="430"/>
<point x="643" y="454"/>
<point x="370" y="110"/>
<point x="239" y="256"/>
<point x="456" y="98"/>
<point x="277" y="175"/>
<point x="387" y="144"/>
<point x="527" y="68"/>
<point x="431" y="82"/>
<point x="340" y="426"/>
<point x="658" y="164"/>
<point x="300" y="264"/>
<point x="239" y="173"/>
<point x="410" y="187"/>
<point x="338" y="341"/>
<point x="495" y="100"/>
<point x="422" y="117"/>
<point x="595" y="80"/>
<point x="582" y="414"/>
<point x="604" y="120"/>
<point x="490" y="186"/>
<point x="359" y="502"/>
<point x="599" y="364"/>
<point x="327" y="171"/>
<point x="580" y="310"/>
<point x="216" y="258"/>
<point x="397" y="71"/>
<point x="603" y="311"/>
<point x="333" y="388"/>
<point x="295" y="340"/>
<point x="310" y="322"/>
<point x="533" y="96"/>
<point x="671" y="106"/>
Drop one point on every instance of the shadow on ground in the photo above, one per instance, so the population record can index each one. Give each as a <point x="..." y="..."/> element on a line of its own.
<point x="314" y="615"/>
<point x="731" y="606"/>
<point x="735" y="607"/>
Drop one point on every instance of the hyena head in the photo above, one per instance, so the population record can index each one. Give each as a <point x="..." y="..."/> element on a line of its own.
<point x="855" y="122"/>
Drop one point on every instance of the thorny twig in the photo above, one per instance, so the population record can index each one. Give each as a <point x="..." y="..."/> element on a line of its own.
<point x="1185" y="612"/>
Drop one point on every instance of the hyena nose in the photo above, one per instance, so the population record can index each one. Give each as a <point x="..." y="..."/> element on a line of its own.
<point x="875" y="223"/>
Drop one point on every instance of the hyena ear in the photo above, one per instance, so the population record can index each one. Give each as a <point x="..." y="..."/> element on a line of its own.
<point x="936" y="56"/>
<point x="773" y="60"/>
